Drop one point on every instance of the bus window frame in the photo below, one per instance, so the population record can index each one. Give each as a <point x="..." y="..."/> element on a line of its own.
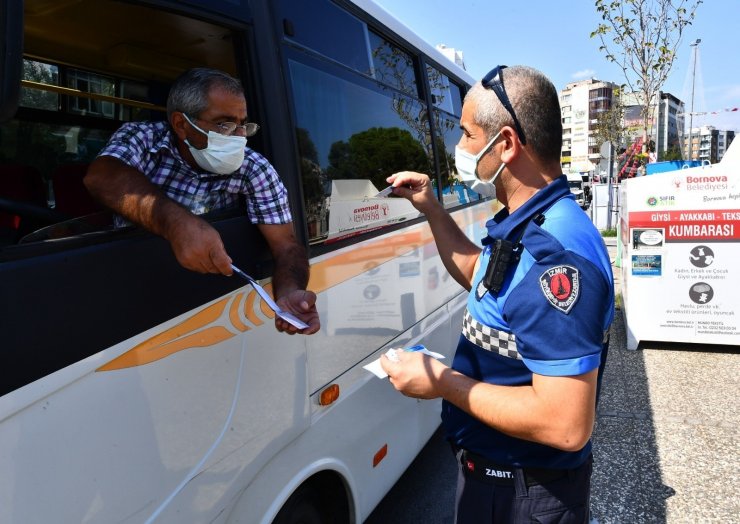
<point x="11" y="56"/>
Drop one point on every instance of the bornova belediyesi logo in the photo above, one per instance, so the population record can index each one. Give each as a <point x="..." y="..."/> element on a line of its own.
<point x="701" y="182"/>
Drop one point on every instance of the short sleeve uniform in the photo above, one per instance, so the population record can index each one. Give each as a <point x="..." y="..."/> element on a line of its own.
<point x="550" y="317"/>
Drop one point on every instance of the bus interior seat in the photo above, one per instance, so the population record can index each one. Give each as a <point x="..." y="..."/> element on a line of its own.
<point x="70" y="194"/>
<point x="23" y="184"/>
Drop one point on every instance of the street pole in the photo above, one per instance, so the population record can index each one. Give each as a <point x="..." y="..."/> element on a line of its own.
<point x="695" y="45"/>
<point x="609" y="187"/>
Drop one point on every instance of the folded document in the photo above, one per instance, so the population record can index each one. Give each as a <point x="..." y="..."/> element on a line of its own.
<point x="376" y="369"/>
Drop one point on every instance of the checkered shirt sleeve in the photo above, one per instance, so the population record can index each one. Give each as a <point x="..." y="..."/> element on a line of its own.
<point x="130" y="144"/>
<point x="267" y="198"/>
<point x="489" y="338"/>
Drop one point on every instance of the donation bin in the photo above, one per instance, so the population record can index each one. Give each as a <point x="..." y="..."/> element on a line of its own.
<point x="680" y="233"/>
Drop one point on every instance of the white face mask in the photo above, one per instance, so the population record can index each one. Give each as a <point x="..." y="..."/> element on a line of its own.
<point x="223" y="154"/>
<point x="467" y="167"/>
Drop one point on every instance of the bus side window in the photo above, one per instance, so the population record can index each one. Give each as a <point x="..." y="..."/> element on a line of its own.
<point x="359" y="118"/>
<point x="447" y="101"/>
<point x="45" y="151"/>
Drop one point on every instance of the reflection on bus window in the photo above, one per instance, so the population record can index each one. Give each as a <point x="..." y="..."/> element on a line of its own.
<point x="319" y="25"/>
<point x="393" y="66"/>
<point x="351" y="138"/>
<point x="446" y="97"/>
<point x="454" y="192"/>
<point x="445" y="94"/>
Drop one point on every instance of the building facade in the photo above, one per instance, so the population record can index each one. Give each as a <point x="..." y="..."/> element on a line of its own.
<point x="580" y="104"/>
<point x="670" y="123"/>
<point x="707" y="144"/>
<point x="452" y="54"/>
<point x="665" y="126"/>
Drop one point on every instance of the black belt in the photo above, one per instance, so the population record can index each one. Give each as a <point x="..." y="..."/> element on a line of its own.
<point x="482" y="469"/>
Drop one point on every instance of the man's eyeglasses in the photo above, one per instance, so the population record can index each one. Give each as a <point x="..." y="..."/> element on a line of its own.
<point x="230" y="128"/>
<point x="494" y="80"/>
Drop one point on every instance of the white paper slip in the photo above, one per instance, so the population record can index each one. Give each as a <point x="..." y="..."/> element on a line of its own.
<point x="376" y="369"/>
<point x="387" y="191"/>
<point x="285" y="315"/>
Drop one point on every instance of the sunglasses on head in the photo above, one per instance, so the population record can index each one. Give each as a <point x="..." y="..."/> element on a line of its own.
<point x="493" y="80"/>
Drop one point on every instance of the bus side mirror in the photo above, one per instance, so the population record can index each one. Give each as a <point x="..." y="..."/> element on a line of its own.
<point x="11" y="56"/>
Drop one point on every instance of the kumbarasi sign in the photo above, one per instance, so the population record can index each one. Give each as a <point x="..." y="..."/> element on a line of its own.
<point x="680" y="234"/>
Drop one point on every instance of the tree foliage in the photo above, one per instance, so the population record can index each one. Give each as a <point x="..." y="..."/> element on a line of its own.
<point x="673" y="153"/>
<point x="641" y="37"/>
<point x="375" y="154"/>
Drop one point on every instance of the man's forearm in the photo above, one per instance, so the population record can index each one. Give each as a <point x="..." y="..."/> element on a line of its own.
<point x="291" y="270"/>
<point x="524" y="411"/>
<point x="133" y="196"/>
<point x="458" y="253"/>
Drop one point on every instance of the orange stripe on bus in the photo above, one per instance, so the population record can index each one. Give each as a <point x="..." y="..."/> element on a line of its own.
<point x="234" y="313"/>
<point x="269" y="313"/>
<point x="249" y="309"/>
<point x="140" y="356"/>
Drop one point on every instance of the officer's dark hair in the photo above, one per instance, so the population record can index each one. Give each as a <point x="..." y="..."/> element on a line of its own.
<point x="189" y="91"/>
<point x="535" y="102"/>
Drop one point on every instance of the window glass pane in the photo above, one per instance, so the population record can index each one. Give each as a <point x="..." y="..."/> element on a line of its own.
<point x="91" y="83"/>
<point x="393" y="66"/>
<point x="135" y="91"/>
<point x="41" y="169"/>
<point x="454" y="191"/>
<point x="326" y="28"/>
<point x="41" y="73"/>
<point x="445" y="94"/>
<point x="351" y="138"/>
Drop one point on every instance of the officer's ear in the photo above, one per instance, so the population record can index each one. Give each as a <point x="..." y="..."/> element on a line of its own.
<point x="512" y="145"/>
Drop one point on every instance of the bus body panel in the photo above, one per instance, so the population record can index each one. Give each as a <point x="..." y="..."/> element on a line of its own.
<point x="133" y="390"/>
<point x="126" y="437"/>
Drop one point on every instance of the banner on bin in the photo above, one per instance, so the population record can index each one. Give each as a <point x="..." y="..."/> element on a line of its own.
<point x="680" y="235"/>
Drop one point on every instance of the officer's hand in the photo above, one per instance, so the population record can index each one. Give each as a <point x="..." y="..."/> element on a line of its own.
<point x="198" y="246"/>
<point x="416" y="188"/>
<point x="415" y="374"/>
<point x="302" y="304"/>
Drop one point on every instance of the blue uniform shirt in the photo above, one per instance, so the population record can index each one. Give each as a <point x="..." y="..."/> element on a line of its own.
<point x="550" y="317"/>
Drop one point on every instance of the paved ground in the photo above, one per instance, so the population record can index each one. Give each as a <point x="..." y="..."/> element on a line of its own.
<point x="666" y="443"/>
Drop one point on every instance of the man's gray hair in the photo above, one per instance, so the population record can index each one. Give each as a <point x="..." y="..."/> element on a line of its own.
<point x="189" y="91"/>
<point x="535" y="102"/>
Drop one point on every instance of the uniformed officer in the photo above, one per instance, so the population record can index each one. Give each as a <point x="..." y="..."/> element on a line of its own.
<point x="519" y="399"/>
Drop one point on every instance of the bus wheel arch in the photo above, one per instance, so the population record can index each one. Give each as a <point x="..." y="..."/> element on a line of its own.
<point x="321" y="499"/>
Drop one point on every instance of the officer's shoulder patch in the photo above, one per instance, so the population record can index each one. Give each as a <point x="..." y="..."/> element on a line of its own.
<point x="561" y="286"/>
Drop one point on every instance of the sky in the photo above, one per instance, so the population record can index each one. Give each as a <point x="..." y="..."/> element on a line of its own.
<point x="553" y="36"/>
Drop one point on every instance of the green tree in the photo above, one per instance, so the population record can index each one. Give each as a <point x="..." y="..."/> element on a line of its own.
<point x="641" y="37"/>
<point x="673" y="153"/>
<point x="396" y="68"/>
<point x="375" y="154"/>
<point x="42" y="74"/>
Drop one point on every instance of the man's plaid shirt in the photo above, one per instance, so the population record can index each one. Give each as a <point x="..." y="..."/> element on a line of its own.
<point x="149" y="147"/>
